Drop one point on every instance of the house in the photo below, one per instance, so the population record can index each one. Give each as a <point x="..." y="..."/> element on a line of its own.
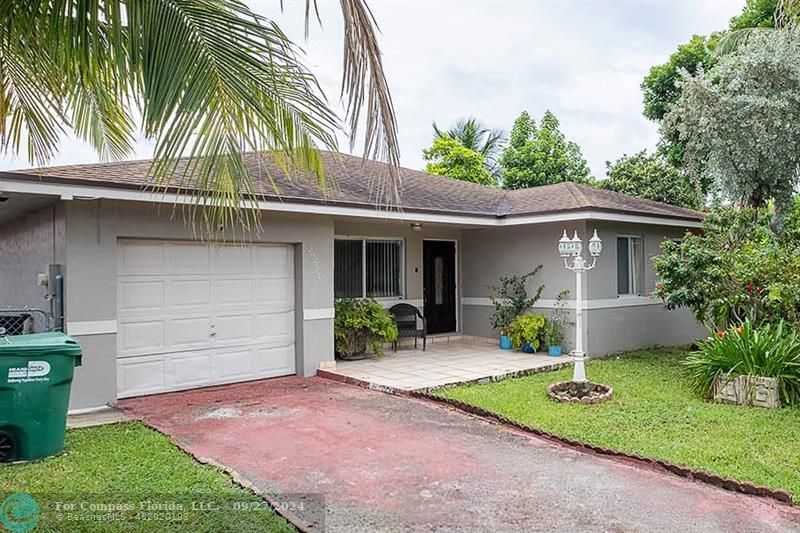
<point x="156" y="309"/>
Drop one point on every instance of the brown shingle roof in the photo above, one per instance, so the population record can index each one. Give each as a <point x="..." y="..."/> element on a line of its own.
<point x="355" y="182"/>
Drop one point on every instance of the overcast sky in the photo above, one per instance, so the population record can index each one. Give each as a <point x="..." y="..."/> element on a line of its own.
<point x="492" y="59"/>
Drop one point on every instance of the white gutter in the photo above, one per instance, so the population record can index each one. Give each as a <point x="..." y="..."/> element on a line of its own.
<point x="68" y="191"/>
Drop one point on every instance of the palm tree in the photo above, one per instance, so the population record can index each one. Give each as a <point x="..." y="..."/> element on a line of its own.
<point x="470" y="133"/>
<point x="787" y="16"/>
<point x="206" y="79"/>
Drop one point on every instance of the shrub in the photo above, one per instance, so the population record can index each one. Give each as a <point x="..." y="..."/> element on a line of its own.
<point x="526" y="328"/>
<point x="555" y="328"/>
<point x="360" y="324"/>
<point x="737" y="269"/>
<point x="772" y="350"/>
<point x="510" y="298"/>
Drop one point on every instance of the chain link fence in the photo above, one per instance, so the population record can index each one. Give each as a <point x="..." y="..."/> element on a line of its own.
<point x="24" y="320"/>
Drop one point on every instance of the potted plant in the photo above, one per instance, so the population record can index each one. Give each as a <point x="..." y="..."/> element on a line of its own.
<point x="525" y="331"/>
<point x="555" y="330"/>
<point x="360" y="324"/>
<point x="510" y="299"/>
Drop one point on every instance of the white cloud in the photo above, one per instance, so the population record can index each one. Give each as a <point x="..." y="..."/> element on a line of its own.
<point x="444" y="60"/>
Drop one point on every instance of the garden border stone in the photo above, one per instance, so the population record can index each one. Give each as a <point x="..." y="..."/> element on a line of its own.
<point x="730" y="484"/>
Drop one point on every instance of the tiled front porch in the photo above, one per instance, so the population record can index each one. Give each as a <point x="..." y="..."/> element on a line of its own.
<point x="445" y="362"/>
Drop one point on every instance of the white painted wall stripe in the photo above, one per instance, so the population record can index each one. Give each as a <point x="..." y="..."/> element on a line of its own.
<point x="318" y="314"/>
<point x="601" y="303"/>
<point x="92" y="327"/>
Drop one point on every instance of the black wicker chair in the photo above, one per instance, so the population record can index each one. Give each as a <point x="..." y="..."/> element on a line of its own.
<point x="405" y="317"/>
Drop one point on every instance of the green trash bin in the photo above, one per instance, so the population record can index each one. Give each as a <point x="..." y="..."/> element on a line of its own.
<point x="35" y="380"/>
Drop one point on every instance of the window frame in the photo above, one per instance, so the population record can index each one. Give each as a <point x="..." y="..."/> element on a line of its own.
<point x="364" y="239"/>
<point x="632" y="272"/>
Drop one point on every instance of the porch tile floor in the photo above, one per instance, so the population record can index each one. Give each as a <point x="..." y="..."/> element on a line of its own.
<point x="443" y="364"/>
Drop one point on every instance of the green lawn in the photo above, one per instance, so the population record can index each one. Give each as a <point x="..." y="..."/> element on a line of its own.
<point x="654" y="413"/>
<point x="130" y="463"/>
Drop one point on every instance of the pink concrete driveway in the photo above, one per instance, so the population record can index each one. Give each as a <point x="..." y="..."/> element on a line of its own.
<point x="386" y="463"/>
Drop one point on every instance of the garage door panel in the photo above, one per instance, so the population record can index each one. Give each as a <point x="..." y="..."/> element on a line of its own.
<point x="275" y="361"/>
<point x="188" y="293"/>
<point x="232" y="259"/>
<point x="136" y="338"/>
<point x="197" y="315"/>
<point x="141" y="257"/>
<point x="140" y="296"/>
<point x="275" y="291"/>
<point x="188" y="333"/>
<point x="276" y="261"/>
<point x="188" y="258"/>
<point x="142" y="375"/>
<point x="190" y="369"/>
<point x="233" y="292"/>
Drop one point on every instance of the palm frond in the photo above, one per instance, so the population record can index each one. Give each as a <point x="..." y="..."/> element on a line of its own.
<point x="364" y="84"/>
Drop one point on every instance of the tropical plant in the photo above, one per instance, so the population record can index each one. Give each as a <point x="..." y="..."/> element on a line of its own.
<point x="772" y="350"/>
<point x="360" y="324"/>
<point x="473" y="135"/>
<point x="650" y="176"/>
<point x="735" y="269"/>
<point x="541" y="155"/>
<point x="555" y="329"/>
<point x="209" y="79"/>
<point x="510" y="298"/>
<point x="526" y="329"/>
<point x="448" y="158"/>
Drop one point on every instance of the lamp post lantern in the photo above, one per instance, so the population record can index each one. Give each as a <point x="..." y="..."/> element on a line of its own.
<point x="573" y="248"/>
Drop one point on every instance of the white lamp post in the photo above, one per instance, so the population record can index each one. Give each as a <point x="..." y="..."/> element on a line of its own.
<point x="572" y="248"/>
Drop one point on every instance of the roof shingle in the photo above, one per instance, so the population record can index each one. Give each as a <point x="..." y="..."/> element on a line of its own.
<point x="355" y="182"/>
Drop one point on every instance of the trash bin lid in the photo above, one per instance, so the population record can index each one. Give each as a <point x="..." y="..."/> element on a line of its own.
<point x="54" y="343"/>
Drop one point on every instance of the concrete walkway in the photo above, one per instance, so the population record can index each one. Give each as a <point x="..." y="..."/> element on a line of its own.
<point x="444" y="364"/>
<point x="386" y="463"/>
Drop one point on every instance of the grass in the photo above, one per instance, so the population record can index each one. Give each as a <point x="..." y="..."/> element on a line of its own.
<point x="129" y="462"/>
<point x="654" y="413"/>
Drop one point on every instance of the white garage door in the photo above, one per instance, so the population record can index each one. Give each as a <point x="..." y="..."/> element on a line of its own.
<point x="191" y="314"/>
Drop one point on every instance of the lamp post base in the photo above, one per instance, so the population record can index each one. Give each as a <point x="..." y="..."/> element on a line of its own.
<point x="579" y="369"/>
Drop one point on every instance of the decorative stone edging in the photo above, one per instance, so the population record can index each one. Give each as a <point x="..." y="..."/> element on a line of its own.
<point x="730" y="484"/>
<point x="554" y="391"/>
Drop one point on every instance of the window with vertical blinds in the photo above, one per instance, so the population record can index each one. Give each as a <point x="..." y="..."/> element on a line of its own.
<point x="630" y="265"/>
<point x="371" y="268"/>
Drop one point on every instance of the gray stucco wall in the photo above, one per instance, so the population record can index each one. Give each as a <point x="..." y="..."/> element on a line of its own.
<point x="93" y="229"/>
<point x="614" y="323"/>
<point x="28" y="245"/>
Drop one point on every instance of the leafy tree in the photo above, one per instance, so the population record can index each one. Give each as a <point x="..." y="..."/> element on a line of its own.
<point x="209" y="79"/>
<point x="739" y="121"/>
<point x="447" y="157"/>
<point x="660" y="86"/>
<point x="541" y="155"/>
<point x="471" y="134"/>
<point x="651" y="176"/>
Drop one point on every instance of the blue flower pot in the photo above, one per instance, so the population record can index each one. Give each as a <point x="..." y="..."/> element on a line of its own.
<point x="554" y="351"/>
<point x="527" y="348"/>
<point x="505" y="342"/>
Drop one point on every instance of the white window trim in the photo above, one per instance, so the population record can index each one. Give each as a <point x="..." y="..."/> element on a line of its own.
<point x="364" y="239"/>
<point x="631" y="271"/>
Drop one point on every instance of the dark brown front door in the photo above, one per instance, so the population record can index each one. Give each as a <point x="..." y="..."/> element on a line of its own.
<point x="439" y="285"/>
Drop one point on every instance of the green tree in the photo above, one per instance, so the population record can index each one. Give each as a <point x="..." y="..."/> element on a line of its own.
<point x="471" y="134"/>
<point x="739" y="121"/>
<point x="651" y="176"/>
<point x="447" y="157"/>
<point x="209" y="78"/>
<point x="541" y="155"/>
